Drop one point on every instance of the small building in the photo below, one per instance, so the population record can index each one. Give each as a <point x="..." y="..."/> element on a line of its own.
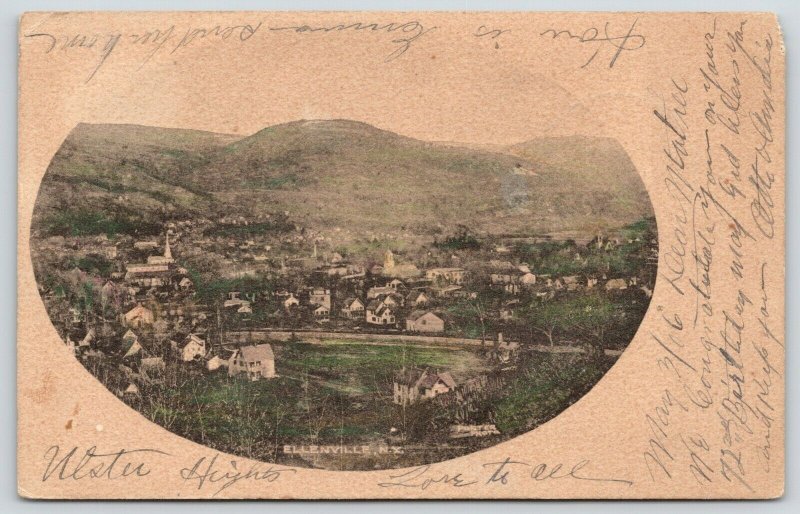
<point x="412" y="386"/>
<point x="145" y="245"/>
<point x="617" y="284"/>
<point x="446" y="291"/>
<point x="131" y="390"/>
<point x="108" y="292"/>
<point x="191" y="348"/>
<point x="424" y="321"/>
<point x="321" y="313"/>
<point x="397" y="285"/>
<point x="185" y="283"/>
<point x="379" y="313"/>
<point x="376" y="292"/>
<point x="138" y="316"/>
<point x="393" y="299"/>
<point x="152" y="368"/>
<point x="447" y="275"/>
<point x="87" y="340"/>
<point x="256" y="362"/>
<point x="290" y="301"/>
<point x="320" y="296"/>
<point x="149" y="275"/>
<point x="131" y="344"/>
<point x="417" y="298"/>
<point x="215" y="362"/>
<point x="353" y="308"/>
<point x="504" y="277"/>
<point x="504" y="351"/>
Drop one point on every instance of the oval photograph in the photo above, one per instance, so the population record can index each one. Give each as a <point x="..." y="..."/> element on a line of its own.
<point x="333" y="295"/>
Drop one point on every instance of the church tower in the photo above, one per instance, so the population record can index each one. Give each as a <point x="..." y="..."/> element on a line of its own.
<point x="388" y="261"/>
<point x="168" y="251"/>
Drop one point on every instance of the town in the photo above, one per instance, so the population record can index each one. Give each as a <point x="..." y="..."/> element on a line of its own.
<point x="146" y="314"/>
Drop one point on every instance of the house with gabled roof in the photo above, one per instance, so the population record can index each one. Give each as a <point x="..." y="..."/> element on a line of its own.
<point x="377" y="292"/>
<point x="138" y="317"/>
<point x="321" y="313"/>
<point x="379" y="313"/>
<point x="152" y="369"/>
<point x="397" y="285"/>
<point x="417" y="298"/>
<point x="255" y="362"/>
<point x="353" y="308"/>
<point x="131" y="344"/>
<point x="412" y="385"/>
<point x="192" y="347"/>
<point x="424" y="321"/>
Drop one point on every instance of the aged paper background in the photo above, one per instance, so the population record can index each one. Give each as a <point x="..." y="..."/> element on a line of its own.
<point x="693" y="408"/>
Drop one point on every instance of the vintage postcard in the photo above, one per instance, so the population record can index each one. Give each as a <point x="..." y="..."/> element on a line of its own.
<point x="354" y="255"/>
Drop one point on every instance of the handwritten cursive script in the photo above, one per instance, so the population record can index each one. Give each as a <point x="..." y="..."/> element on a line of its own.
<point x="214" y="472"/>
<point x="93" y="464"/>
<point x="496" y="473"/>
<point x="617" y="42"/>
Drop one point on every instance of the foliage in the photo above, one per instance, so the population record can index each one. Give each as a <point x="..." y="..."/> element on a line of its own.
<point x="95" y="264"/>
<point x="82" y="222"/>
<point x="546" y="386"/>
<point x="464" y="239"/>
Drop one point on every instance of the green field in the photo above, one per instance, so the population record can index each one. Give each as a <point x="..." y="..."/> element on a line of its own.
<point x="340" y="392"/>
<point x="323" y="392"/>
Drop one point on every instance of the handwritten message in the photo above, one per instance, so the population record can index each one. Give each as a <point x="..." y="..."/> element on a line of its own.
<point x="505" y="472"/>
<point x="97" y="48"/>
<point x="720" y="355"/>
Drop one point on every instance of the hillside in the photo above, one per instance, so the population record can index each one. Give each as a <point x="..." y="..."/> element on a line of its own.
<point x="340" y="174"/>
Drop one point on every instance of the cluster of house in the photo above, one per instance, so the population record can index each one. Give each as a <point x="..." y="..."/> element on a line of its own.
<point x="252" y="361"/>
<point x="160" y="273"/>
<point x="414" y="385"/>
<point x="406" y="303"/>
<point x="381" y="306"/>
<point x="513" y="280"/>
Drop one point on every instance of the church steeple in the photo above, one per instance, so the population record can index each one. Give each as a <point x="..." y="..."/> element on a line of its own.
<point x="388" y="261"/>
<point x="167" y="250"/>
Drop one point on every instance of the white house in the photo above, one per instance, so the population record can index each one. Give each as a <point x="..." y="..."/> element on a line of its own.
<point x="191" y="347"/>
<point x="320" y="296"/>
<point x="138" y="317"/>
<point x="291" y="301"/>
<point x="397" y="284"/>
<point x="321" y="313"/>
<point x="424" y="321"/>
<point x="353" y="308"/>
<point x="411" y="386"/>
<point x="256" y="362"/>
<point x="378" y="313"/>
<point x="417" y="298"/>
<point x="215" y="362"/>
